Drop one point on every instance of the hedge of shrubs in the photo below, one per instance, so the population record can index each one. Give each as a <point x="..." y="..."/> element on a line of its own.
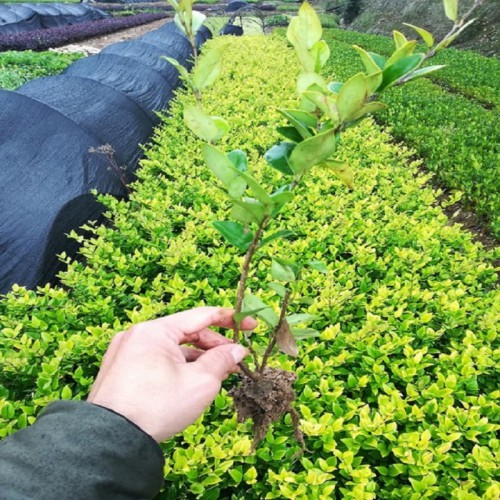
<point x="457" y="137"/>
<point x="399" y="395"/>
<point x="55" y="37"/>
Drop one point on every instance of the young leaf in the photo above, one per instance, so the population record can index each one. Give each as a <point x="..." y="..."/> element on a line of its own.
<point x="179" y="67"/>
<point x="308" y="80"/>
<point x="279" y="200"/>
<point x="399" y="69"/>
<point x="302" y="121"/>
<point x="320" y="53"/>
<point x="379" y="60"/>
<point x="352" y="96"/>
<point x="279" y="155"/>
<point x="218" y="163"/>
<point x="239" y="317"/>
<point x="297" y="319"/>
<point x="203" y="126"/>
<point x="266" y="313"/>
<point x="373" y="81"/>
<point x="404" y="51"/>
<point x="424" y="71"/>
<point x="335" y="87"/>
<point x="259" y="192"/>
<point x="208" y="68"/>
<point x="282" y="271"/>
<point x="305" y="29"/>
<point x="341" y="170"/>
<point x="248" y="210"/>
<point x="427" y="37"/>
<point x="278" y="288"/>
<point x="286" y="341"/>
<point x="370" y="65"/>
<point x="399" y="39"/>
<point x="371" y="107"/>
<point x="289" y="133"/>
<point x="312" y="151"/>
<point x="236" y="234"/>
<point x="239" y="159"/>
<point x="318" y="266"/>
<point x="325" y="104"/>
<point x="305" y="333"/>
<point x="451" y="9"/>
<point x="284" y="233"/>
<point x="237" y="187"/>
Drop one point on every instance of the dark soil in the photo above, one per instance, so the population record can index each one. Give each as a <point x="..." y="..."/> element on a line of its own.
<point x="264" y="401"/>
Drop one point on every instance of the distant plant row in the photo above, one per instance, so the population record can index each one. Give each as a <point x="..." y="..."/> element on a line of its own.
<point x="449" y="123"/>
<point x="62" y="35"/>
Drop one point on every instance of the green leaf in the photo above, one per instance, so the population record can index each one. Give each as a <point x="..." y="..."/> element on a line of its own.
<point x="341" y="170"/>
<point x="248" y="210"/>
<point x="278" y="288"/>
<point x="259" y="192"/>
<point x="305" y="29"/>
<point x="305" y="333"/>
<point x="379" y="60"/>
<point x="236" y="234"/>
<point x="368" y="62"/>
<point x="320" y="53"/>
<point x="66" y="392"/>
<point x="312" y="151"/>
<point x="301" y="120"/>
<point x="218" y="163"/>
<point x="286" y="341"/>
<point x="427" y="37"/>
<point x="208" y="67"/>
<point x="404" y="51"/>
<point x="399" y="69"/>
<point x="282" y="270"/>
<point x="267" y="314"/>
<point x="237" y="187"/>
<point x="325" y="104"/>
<point x="290" y="133"/>
<point x="352" y="96"/>
<point x="399" y="39"/>
<point x="179" y="67"/>
<point x="335" y="87"/>
<point x="308" y="80"/>
<point x="424" y="71"/>
<point x="446" y="43"/>
<point x="297" y="319"/>
<point x="318" y="266"/>
<point x="203" y="126"/>
<point x="373" y="81"/>
<point x="279" y="155"/>
<point x="239" y="317"/>
<point x="239" y="159"/>
<point x="279" y="200"/>
<point x="371" y="107"/>
<point x="284" y="233"/>
<point x="197" y="21"/>
<point x="451" y="9"/>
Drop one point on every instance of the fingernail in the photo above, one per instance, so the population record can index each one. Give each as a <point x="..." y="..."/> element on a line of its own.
<point x="238" y="352"/>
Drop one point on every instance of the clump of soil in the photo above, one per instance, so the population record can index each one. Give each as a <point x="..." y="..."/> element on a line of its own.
<point x="265" y="401"/>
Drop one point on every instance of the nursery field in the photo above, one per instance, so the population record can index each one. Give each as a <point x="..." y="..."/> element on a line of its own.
<point x="451" y="121"/>
<point x="399" y="395"/>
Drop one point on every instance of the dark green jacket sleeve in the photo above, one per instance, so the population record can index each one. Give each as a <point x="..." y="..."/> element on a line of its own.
<point x="76" y="450"/>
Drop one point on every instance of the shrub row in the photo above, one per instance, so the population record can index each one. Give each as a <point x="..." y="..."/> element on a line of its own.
<point x="467" y="72"/>
<point x="398" y="396"/>
<point x="17" y="68"/>
<point x="55" y="37"/>
<point x="457" y="138"/>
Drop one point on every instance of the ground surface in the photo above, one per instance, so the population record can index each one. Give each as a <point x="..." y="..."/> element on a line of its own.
<point x="94" y="45"/>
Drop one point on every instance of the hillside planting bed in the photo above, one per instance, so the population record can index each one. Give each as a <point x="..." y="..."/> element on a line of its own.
<point x="398" y="396"/>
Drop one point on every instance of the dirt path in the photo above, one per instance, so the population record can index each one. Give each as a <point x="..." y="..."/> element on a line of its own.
<point x="95" y="45"/>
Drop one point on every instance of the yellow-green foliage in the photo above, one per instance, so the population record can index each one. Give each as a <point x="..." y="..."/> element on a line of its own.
<point x="399" y="395"/>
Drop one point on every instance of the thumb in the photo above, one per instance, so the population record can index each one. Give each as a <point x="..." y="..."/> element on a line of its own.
<point x="221" y="360"/>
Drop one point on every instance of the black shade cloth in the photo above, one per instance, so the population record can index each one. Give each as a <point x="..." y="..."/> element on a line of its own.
<point x="18" y="18"/>
<point x="48" y="126"/>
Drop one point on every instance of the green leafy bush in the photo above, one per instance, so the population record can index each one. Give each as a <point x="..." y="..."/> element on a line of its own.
<point x="456" y="137"/>
<point x="278" y="20"/>
<point x="17" y="68"/>
<point x="399" y="396"/>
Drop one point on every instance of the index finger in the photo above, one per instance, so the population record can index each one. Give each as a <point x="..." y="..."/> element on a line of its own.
<point x="188" y="325"/>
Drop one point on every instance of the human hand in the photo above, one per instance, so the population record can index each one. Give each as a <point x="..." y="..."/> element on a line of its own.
<point x="148" y="376"/>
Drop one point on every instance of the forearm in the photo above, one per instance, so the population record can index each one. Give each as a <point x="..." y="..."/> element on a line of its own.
<point x="81" y="451"/>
